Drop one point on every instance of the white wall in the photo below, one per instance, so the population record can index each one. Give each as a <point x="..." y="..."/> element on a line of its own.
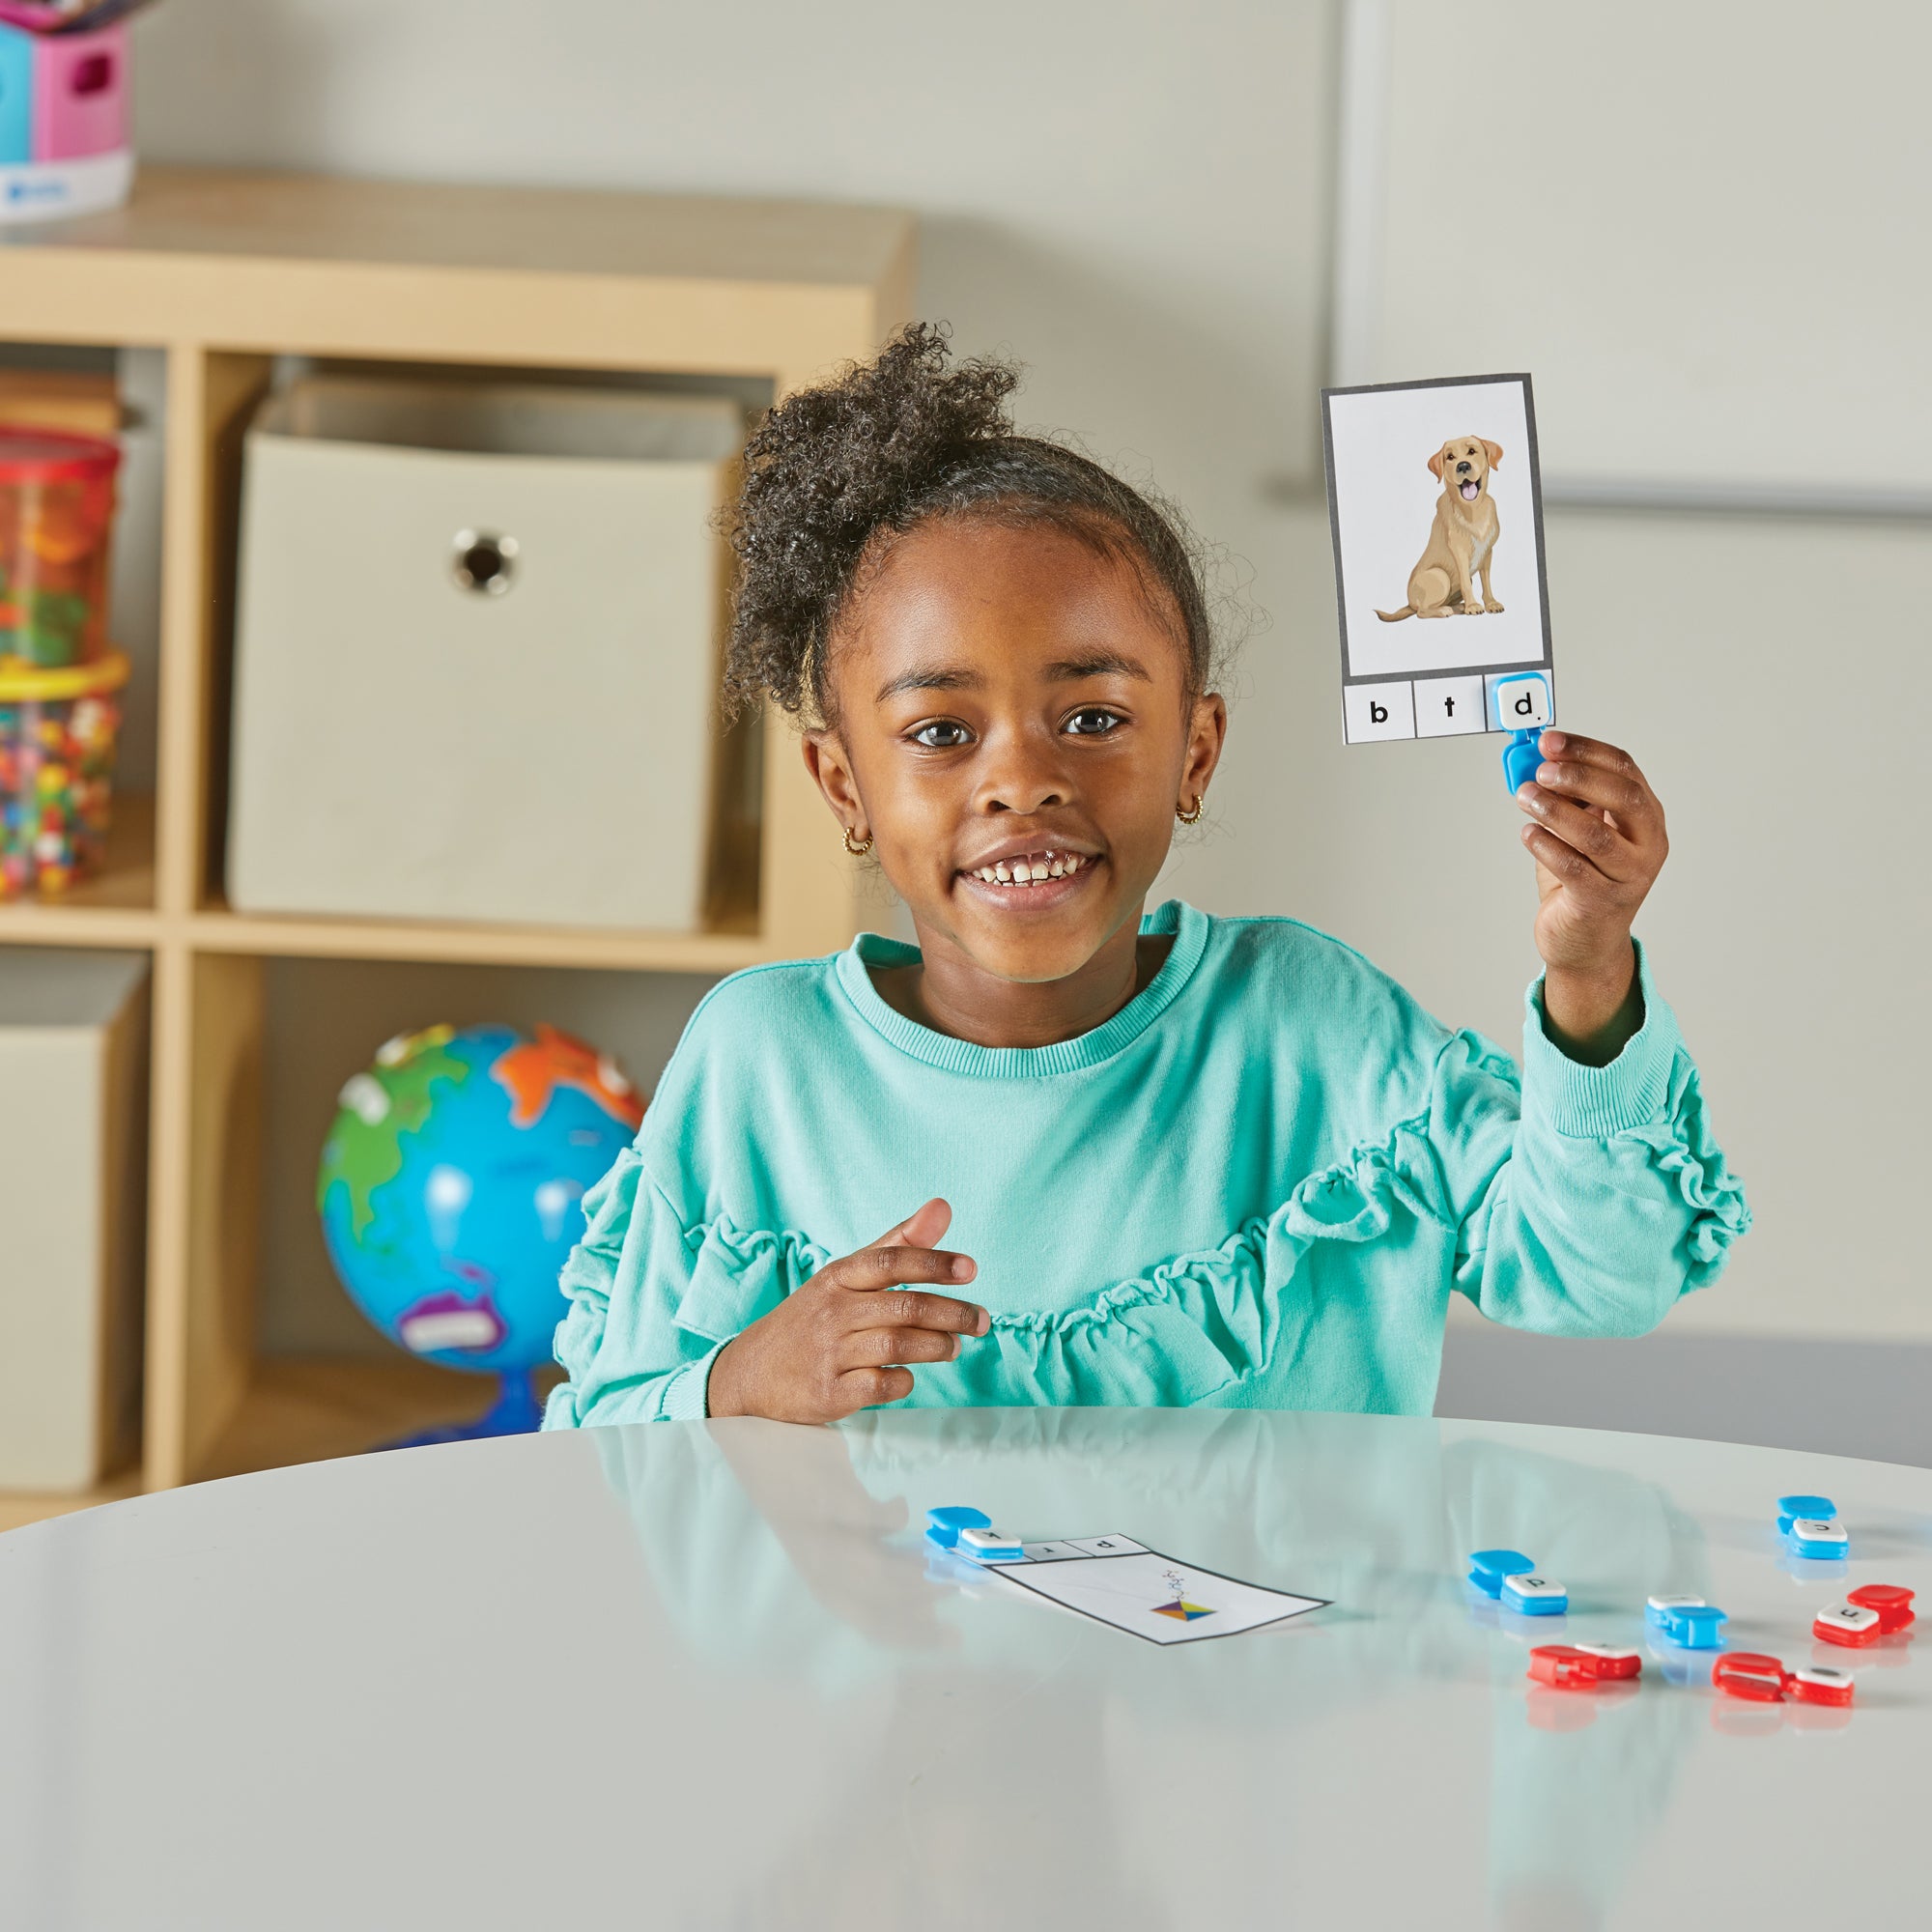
<point x="1133" y="198"/>
<point x="1714" y="264"/>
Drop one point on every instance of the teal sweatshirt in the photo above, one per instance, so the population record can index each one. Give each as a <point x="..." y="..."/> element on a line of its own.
<point x="1255" y="1186"/>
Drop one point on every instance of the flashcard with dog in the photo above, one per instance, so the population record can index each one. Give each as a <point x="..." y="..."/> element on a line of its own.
<point x="1437" y="510"/>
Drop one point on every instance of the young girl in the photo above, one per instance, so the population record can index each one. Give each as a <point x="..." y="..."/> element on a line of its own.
<point x="1181" y="1159"/>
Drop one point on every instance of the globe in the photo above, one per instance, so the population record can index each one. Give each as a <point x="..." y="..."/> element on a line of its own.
<point x="450" y="1187"/>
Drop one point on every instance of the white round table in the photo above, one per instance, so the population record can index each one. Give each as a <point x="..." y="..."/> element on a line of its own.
<point x="697" y="1675"/>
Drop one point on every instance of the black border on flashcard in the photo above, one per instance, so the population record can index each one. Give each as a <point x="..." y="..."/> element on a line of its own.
<point x="1201" y="1570"/>
<point x="1484" y="671"/>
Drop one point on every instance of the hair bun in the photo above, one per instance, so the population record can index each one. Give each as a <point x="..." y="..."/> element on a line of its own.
<point x="828" y="466"/>
<point x="881" y="446"/>
<point x="872" y="444"/>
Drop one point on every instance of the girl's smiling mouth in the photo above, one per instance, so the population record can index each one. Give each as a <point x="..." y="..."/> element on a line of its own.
<point x="1046" y="875"/>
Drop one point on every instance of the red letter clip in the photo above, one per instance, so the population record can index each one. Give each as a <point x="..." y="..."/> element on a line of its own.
<point x="1820" y="1684"/>
<point x="1866" y="1614"/>
<point x="1749" y="1674"/>
<point x="1579" y="1666"/>
<point x="1848" y="1623"/>
<point x="1891" y="1601"/>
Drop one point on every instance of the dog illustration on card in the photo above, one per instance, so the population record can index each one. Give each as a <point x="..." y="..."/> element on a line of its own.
<point x="1462" y="538"/>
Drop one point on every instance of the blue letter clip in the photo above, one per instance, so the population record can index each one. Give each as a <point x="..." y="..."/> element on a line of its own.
<point x="1521" y="758"/>
<point x="1790" y="1508"/>
<point x="1489" y="1567"/>
<point x="1695" y="1625"/>
<point x="943" y="1525"/>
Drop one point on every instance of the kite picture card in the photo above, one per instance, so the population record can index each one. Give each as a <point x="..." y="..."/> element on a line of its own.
<point x="1118" y="1581"/>
<point x="1435" y="506"/>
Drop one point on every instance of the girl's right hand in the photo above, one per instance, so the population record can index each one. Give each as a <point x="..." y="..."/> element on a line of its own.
<point x="840" y="1342"/>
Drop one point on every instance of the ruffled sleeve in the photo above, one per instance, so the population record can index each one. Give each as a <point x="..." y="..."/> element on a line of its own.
<point x="627" y="1359"/>
<point x="652" y="1301"/>
<point x="1589" y="1198"/>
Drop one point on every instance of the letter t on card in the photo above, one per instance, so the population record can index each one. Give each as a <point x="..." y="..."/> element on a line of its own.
<point x="1447" y="707"/>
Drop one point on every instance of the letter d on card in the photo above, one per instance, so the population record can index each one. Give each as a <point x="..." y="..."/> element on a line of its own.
<point x="1520" y="701"/>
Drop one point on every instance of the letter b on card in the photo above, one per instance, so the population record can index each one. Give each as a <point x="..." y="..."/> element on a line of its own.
<point x="1371" y="711"/>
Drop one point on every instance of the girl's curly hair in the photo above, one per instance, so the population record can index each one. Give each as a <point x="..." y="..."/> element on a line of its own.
<point x="832" y="472"/>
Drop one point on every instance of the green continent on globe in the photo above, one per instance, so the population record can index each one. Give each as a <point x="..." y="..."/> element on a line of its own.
<point x="366" y="1147"/>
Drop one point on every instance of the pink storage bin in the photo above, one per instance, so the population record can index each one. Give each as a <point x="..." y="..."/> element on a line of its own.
<point x="81" y="95"/>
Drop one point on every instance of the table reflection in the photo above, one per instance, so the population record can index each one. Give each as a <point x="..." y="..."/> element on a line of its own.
<point x="964" y="1718"/>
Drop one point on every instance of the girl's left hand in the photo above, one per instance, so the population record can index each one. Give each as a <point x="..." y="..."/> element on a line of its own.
<point x="1597" y="831"/>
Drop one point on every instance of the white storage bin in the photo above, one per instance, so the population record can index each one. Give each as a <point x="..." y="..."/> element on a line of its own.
<point x="73" y="1203"/>
<point x="477" y="653"/>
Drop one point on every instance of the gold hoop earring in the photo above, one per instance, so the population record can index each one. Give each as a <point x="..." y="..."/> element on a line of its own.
<point x="1192" y="817"/>
<point x="859" y="850"/>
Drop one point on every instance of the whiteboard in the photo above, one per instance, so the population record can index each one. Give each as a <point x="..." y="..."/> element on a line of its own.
<point x="1703" y="229"/>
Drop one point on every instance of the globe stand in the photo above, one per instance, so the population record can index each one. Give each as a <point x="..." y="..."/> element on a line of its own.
<point x="515" y="1412"/>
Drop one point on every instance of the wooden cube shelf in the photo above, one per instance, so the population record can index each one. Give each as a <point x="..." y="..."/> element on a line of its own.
<point x="115" y="909"/>
<point x="223" y="272"/>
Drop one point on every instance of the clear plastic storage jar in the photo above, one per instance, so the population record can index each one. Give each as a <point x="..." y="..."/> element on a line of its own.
<point x="57" y="735"/>
<point x="56" y="513"/>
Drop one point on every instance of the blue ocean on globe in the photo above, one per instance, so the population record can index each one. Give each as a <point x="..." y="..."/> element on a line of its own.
<point x="451" y="1186"/>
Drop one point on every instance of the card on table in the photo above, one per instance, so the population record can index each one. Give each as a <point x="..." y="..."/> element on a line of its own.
<point x="1437" y="510"/>
<point x="1118" y="1581"/>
